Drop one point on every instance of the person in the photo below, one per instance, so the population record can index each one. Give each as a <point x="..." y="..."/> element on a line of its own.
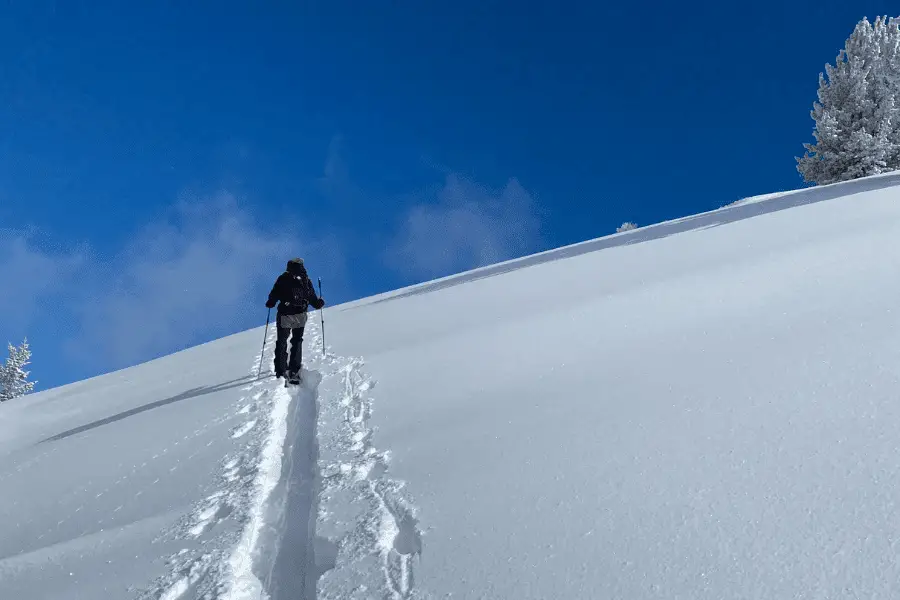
<point x="295" y="292"/>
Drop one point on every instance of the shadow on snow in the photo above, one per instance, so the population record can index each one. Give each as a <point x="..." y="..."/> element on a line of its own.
<point x="192" y="393"/>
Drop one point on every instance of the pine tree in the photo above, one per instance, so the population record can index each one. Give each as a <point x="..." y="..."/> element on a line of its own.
<point x="13" y="376"/>
<point x="626" y="226"/>
<point x="857" y="115"/>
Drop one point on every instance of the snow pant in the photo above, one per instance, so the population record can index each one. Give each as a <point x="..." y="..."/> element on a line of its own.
<point x="293" y="365"/>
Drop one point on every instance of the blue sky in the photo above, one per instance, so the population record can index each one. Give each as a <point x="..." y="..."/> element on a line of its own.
<point x="160" y="162"/>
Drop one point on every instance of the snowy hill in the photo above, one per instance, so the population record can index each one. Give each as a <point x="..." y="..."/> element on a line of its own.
<point x="705" y="408"/>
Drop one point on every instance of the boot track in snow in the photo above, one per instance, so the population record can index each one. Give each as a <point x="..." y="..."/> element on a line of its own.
<point x="304" y="509"/>
<point x="363" y="514"/>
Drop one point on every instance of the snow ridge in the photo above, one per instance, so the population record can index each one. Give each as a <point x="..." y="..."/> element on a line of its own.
<point x="364" y="515"/>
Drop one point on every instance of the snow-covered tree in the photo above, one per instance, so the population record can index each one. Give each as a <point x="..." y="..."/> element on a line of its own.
<point x="857" y="115"/>
<point x="13" y="376"/>
<point x="626" y="226"/>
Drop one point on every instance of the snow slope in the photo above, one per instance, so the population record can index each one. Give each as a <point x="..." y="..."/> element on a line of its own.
<point x="100" y="477"/>
<point x="704" y="408"/>
<point x="710" y="413"/>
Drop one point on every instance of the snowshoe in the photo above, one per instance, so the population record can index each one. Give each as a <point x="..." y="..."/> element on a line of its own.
<point x="292" y="379"/>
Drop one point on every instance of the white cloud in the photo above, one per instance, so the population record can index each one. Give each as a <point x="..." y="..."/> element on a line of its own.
<point x="336" y="185"/>
<point x="201" y="275"/>
<point x="204" y="271"/>
<point x="467" y="225"/>
<point x="32" y="276"/>
<point x="335" y="172"/>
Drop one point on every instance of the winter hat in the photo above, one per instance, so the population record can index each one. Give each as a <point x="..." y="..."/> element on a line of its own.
<point x="295" y="266"/>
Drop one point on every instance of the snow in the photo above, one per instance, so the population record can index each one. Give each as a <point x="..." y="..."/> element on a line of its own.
<point x="178" y="590"/>
<point x="702" y="408"/>
<point x="243" y="583"/>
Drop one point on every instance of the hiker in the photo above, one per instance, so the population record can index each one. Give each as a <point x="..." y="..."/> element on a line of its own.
<point x="295" y="292"/>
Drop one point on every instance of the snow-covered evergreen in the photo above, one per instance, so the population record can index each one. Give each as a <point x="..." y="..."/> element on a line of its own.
<point x="857" y="116"/>
<point x="13" y="376"/>
<point x="626" y="226"/>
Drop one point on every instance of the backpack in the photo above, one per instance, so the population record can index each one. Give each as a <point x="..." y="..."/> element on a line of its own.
<point x="298" y="295"/>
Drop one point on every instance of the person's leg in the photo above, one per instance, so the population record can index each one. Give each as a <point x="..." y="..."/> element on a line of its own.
<point x="281" y="349"/>
<point x="296" y="349"/>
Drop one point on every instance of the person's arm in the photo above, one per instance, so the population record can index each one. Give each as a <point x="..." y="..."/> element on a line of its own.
<point x="275" y="294"/>
<point x="314" y="300"/>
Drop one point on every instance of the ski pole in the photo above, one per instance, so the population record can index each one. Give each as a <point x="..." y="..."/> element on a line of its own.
<point x="322" y="317"/>
<point x="265" y="336"/>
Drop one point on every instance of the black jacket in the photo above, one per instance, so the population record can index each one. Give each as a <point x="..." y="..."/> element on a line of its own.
<point x="295" y="292"/>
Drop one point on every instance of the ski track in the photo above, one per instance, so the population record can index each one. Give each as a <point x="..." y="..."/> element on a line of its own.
<point x="308" y="452"/>
<point x="216" y="531"/>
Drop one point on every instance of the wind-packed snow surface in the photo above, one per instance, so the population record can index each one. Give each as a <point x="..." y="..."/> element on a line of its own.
<point x="706" y="408"/>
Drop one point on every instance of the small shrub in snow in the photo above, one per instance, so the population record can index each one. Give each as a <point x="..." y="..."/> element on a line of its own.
<point x="626" y="226"/>
<point x="13" y="376"/>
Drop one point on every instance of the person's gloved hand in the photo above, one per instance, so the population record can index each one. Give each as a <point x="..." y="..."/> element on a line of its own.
<point x="271" y="303"/>
<point x="319" y="303"/>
